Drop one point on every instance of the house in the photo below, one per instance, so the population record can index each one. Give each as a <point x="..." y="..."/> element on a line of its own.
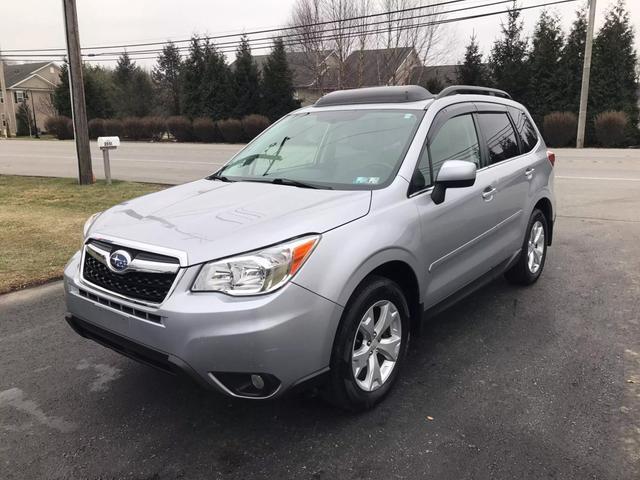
<point x="31" y="83"/>
<point x="316" y="73"/>
<point x="434" y="77"/>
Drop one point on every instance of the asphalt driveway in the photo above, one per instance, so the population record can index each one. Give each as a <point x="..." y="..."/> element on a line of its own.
<point x="526" y="383"/>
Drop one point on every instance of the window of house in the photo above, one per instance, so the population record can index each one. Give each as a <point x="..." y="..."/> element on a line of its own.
<point x="19" y="96"/>
<point x="51" y="70"/>
<point x="1" y="97"/>
<point x="3" y="120"/>
<point x="499" y="135"/>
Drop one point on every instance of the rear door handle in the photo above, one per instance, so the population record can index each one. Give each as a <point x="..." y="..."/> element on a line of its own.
<point x="529" y="172"/>
<point x="488" y="193"/>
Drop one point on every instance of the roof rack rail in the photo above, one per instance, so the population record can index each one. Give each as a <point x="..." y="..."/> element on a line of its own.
<point x="472" y="90"/>
<point x="390" y="94"/>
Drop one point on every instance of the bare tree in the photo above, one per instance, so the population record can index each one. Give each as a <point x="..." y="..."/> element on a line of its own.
<point x="341" y="32"/>
<point x="308" y="38"/>
<point x="362" y="35"/>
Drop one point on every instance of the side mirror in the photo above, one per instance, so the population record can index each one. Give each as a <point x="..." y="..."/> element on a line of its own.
<point x="453" y="174"/>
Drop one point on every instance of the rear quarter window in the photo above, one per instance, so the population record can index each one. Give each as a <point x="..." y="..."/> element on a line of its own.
<point x="527" y="131"/>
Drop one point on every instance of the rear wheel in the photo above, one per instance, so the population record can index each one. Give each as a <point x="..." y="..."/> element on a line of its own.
<point x="534" y="252"/>
<point x="370" y="345"/>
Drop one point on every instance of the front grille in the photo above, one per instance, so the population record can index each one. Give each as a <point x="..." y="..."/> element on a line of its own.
<point x="118" y="306"/>
<point x="149" y="287"/>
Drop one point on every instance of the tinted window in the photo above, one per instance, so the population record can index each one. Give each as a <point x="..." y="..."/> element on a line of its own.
<point x="525" y="128"/>
<point x="456" y="140"/>
<point x="499" y="135"/>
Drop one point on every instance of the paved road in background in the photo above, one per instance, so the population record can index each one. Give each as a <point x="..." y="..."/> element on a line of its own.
<point x="141" y="161"/>
<point x="183" y="162"/>
<point x="525" y="383"/>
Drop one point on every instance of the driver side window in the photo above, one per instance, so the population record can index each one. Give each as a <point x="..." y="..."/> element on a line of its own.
<point x="456" y="140"/>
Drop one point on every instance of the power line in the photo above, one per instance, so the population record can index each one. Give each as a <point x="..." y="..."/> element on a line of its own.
<point x="320" y="35"/>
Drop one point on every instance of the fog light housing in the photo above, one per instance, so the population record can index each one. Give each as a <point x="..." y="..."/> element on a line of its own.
<point x="248" y="385"/>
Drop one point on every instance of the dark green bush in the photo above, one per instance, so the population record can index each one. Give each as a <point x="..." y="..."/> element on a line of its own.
<point x="610" y="128"/>
<point x="559" y="128"/>
<point x="180" y="128"/>
<point x="253" y="125"/>
<point x="204" y="130"/>
<point x="60" y="127"/>
<point x="230" y="129"/>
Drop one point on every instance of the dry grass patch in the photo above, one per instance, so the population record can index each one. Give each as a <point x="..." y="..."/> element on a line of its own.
<point x="41" y="223"/>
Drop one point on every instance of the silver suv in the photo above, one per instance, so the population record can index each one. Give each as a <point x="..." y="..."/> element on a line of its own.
<point x="316" y="250"/>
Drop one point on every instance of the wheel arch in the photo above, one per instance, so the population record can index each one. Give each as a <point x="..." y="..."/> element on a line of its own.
<point x="545" y="206"/>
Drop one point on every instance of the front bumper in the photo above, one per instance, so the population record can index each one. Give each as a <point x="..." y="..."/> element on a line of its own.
<point x="287" y="334"/>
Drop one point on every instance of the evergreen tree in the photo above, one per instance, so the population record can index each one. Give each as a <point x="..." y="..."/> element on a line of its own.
<point x="543" y="95"/>
<point x="98" y="89"/>
<point x="217" y="85"/>
<point x="133" y="88"/>
<point x="472" y="71"/>
<point x="246" y="81"/>
<point x="571" y="63"/>
<point x="277" y="84"/>
<point x="192" y="74"/>
<point x="507" y="63"/>
<point x="614" y="83"/>
<point x="166" y="80"/>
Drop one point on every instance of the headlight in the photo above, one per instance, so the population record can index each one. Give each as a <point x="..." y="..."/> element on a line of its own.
<point x="88" y="223"/>
<point x="257" y="272"/>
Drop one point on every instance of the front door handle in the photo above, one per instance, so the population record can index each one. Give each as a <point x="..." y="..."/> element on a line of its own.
<point x="488" y="193"/>
<point x="529" y="172"/>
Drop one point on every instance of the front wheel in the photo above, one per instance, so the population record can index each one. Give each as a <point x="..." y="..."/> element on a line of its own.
<point x="370" y="345"/>
<point x="534" y="252"/>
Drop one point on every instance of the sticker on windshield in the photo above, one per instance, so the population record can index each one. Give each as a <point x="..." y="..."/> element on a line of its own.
<point x="367" y="180"/>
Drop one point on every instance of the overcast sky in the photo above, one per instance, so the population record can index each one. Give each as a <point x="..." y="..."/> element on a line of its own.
<point x="38" y="23"/>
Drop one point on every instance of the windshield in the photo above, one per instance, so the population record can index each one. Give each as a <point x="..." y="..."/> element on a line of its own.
<point x="346" y="149"/>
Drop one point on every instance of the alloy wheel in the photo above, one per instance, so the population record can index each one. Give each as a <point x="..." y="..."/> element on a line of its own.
<point x="376" y="346"/>
<point x="535" y="247"/>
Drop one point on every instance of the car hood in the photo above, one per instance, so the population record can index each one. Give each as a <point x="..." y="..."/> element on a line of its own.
<point x="211" y="219"/>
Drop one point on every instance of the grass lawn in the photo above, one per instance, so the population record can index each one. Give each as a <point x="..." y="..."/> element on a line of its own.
<point x="41" y="223"/>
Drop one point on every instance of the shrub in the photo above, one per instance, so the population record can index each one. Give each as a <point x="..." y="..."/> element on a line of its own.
<point x="204" y="130"/>
<point x="96" y="128"/>
<point x="136" y="128"/>
<point x="113" y="127"/>
<point x="560" y="128"/>
<point x="156" y="127"/>
<point x="230" y="129"/>
<point x="60" y="126"/>
<point x="254" y="124"/>
<point x="180" y="127"/>
<point x="610" y="128"/>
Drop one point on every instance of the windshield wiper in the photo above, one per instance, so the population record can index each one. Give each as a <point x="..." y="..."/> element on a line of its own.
<point x="217" y="176"/>
<point x="287" y="181"/>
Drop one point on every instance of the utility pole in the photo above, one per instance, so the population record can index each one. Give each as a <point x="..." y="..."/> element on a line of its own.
<point x="76" y="87"/>
<point x="586" y="70"/>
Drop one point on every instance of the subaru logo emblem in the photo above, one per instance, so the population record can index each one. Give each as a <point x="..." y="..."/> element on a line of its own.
<point x="119" y="261"/>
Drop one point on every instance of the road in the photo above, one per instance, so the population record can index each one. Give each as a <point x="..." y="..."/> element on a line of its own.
<point x="141" y="161"/>
<point x="526" y="383"/>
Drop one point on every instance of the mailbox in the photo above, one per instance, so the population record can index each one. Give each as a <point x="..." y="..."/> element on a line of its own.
<point x="105" y="144"/>
<point x="108" y="142"/>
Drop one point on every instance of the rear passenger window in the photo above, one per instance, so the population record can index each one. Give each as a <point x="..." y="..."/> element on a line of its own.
<point x="456" y="140"/>
<point x="499" y="135"/>
<point x="525" y="128"/>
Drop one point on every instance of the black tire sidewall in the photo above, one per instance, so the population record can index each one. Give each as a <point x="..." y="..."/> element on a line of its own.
<point x="343" y="383"/>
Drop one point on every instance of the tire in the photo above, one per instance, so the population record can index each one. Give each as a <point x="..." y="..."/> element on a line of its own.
<point x="358" y="337"/>
<point x="525" y="271"/>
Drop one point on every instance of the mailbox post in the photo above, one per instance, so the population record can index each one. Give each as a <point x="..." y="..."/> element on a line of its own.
<point x="105" y="144"/>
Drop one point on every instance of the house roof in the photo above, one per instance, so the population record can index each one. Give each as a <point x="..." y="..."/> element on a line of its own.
<point x="16" y="73"/>
<point x="368" y="68"/>
<point x="442" y="74"/>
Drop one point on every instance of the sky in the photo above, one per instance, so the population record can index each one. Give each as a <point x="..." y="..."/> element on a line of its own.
<point x="39" y="23"/>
